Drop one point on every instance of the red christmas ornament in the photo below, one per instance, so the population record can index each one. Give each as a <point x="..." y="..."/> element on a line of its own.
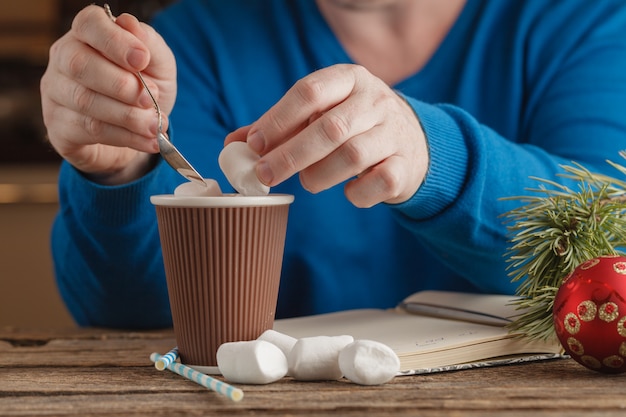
<point x="590" y="314"/>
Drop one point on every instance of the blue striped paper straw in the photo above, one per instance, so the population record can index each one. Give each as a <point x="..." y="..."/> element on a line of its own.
<point x="166" y="359"/>
<point x="206" y="381"/>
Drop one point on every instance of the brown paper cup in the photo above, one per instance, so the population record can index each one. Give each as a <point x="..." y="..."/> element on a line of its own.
<point x="223" y="257"/>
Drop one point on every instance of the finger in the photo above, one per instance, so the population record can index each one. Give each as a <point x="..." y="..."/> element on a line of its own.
<point x="353" y="158"/>
<point x="80" y="63"/>
<point x="309" y="97"/>
<point x="238" y="135"/>
<point x="73" y="130"/>
<point x="320" y="139"/>
<point x="83" y="100"/>
<point x="162" y="65"/>
<point x="160" y="56"/>
<point x="92" y="26"/>
<point x="381" y="183"/>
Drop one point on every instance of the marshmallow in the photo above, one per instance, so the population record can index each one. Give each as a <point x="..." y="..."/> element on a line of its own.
<point x="193" y="189"/>
<point x="316" y="358"/>
<point x="251" y="362"/>
<point x="283" y="341"/>
<point x="238" y="163"/>
<point x="367" y="362"/>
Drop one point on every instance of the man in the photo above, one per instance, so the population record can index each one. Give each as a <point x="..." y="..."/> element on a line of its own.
<point x="407" y="122"/>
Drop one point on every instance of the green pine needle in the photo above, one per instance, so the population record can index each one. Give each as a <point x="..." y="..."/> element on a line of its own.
<point x="556" y="230"/>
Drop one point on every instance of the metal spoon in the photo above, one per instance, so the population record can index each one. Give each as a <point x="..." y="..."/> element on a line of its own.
<point x="168" y="151"/>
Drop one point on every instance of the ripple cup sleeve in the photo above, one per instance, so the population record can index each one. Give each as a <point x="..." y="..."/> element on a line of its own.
<point x="223" y="259"/>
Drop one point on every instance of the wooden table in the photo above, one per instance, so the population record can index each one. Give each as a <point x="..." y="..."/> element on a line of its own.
<point x="107" y="373"/>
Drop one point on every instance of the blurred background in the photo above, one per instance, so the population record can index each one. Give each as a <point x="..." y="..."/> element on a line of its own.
<point x="28" y="165"/>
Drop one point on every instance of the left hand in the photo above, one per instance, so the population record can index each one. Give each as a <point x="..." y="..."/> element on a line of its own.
<point x="339" y="123"/>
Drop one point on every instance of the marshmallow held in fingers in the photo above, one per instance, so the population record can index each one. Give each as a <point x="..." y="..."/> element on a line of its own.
<point x="368" y="362"/>
<point x="283" y="341"/>
<point x="251" y="362"/>
<point x="316" y="358"/>
<point x="193" y="189"/>
<point x="238" y="163"/>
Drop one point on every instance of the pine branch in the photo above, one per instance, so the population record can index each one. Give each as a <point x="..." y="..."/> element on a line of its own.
<point x="554" y="231"/>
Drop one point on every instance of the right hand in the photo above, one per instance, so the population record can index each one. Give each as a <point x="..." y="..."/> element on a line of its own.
<point x="97" y="114"/>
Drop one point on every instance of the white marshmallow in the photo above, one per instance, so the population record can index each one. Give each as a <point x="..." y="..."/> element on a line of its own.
<point x="316" y="358"/>
<point x="368" y="362"/>
<point x="238" y="161"/>
<point x="283" y="341"/>
<point x="193" y="189"/>
<point x="251" y="362"/>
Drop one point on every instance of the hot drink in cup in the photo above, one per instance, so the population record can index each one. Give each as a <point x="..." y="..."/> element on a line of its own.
<point x="223" y="257"/>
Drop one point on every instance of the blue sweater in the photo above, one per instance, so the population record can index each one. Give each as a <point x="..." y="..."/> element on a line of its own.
<point x="516" y="89"/>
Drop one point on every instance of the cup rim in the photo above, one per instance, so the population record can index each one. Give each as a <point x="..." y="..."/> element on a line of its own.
<point x="225" y="200"/>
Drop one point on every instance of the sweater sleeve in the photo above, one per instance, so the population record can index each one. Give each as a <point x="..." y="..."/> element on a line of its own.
<point x="573" y="111"/>
<point x="106" y="251"/>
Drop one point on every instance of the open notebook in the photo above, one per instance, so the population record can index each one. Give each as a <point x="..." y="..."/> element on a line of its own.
<point x="433" y="331"/>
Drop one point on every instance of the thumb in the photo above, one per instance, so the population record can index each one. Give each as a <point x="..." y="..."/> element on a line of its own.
<point x="238" y="135"/>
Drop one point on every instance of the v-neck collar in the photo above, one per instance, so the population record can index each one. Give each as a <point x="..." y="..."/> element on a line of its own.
<point x="332" y="52"/>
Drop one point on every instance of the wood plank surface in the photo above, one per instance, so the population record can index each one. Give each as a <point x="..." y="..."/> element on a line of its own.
<point x="106" y="373"/>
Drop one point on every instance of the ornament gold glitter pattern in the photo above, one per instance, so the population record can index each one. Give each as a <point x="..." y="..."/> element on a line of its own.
<point x="587" y="310"/>
<point x="613" y="361"/>
<point x="575" y="346"/>
<point x="622" y="349"/>
<point x="620" y="267"/>
<point x="608" y="312"/>
<point x="589" y="264"/>
<point x="572" y="324"/>
<point x="621" y="327"/>
<point x="591" y="362"/>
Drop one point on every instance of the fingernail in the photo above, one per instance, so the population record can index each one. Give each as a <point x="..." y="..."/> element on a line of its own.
<point x="264" y="172"/>
<point x="136" y="58"/>
<point x="256" y="141"/>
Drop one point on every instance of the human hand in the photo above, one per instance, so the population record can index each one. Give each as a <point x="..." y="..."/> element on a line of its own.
<point x="97" y="114"/>
<point x="341" y="123"/>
